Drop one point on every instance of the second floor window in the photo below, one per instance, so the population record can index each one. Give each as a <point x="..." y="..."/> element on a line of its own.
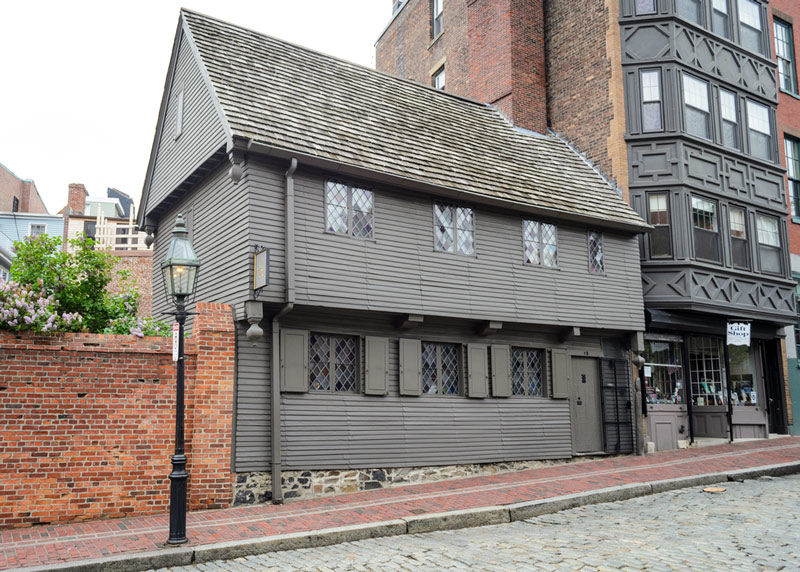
<point x="645" y="6"/>
<point x="597" y="263"/>
<point x="793" y="171"/>
<point x="454" y="229"/>
<point x="759" y="130"/>
<point x="692" y="10"/>
<point x="540" y="242"/>
<point x="769" y="244"/>
<point x="696" y="111"/>
<point x="660" y="241"/>
<point x="738" y="228"/>
<point x="437" y="11"/>
<point x="720" y="19"/>
<point x="730" y="119"/>
<point x="706" y="229"/>
<point x="348" y="210"/>
<point x="784" y="50"/>
<point x="750" y="27"/>
<point x="440" y="369"/>
<point x="651" y="101"/>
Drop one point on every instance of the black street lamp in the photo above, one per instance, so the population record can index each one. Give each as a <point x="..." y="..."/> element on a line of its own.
<point x="180" y="269"/>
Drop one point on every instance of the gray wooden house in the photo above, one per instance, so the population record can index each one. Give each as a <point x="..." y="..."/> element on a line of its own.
<point x="442" y="288"/>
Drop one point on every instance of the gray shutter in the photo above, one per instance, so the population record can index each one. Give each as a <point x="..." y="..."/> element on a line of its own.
<point x="501" y="371"/>
<point x="560" y="374"/>
<point x="410" y="367"/>
<point x="478" y="367"/>
<point x="377" y="366"/>
<point x="294" y="361"/>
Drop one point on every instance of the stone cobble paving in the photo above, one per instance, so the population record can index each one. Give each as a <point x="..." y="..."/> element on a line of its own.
<point x="751" y="526"/>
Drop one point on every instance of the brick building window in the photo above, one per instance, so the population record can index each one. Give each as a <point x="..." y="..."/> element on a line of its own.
<point x="751" y="31"/>
<point x="769" y="244"/>
<point x="454" y="229"/>
<point x="437" y="12"/>
<point x="439" y="78"/>
<point x="784" y="50"/>
<point x="348" y="210"/>
<point x="738" y="228"/>
<point x="692" y="10"/>
<point x="730" y="119"/>
<point x="645" y="7"/>
<point x="658" y="216"/>
<point x="720" y="18"/>
<point x="793" y="171"/>
<point x="651" y="100"/>
<point x="540" y="241"/>
<point x="15" y="205"/>
<point x="333" y="363"/>
<point x="706" y="229"/>
<point x="597" y="263"/>
<point x="440" y="369"/>
<point x="696" y="110"/>
<point x="527" y="369"/>
<point x="759" y="130"/>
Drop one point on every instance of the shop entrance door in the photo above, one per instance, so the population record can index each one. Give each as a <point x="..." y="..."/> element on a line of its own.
<point x="584" y="396"/>
<point x="771" y="360"/>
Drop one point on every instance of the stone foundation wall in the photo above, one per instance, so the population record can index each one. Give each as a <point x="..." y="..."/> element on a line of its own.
<point x="251" y="488"/>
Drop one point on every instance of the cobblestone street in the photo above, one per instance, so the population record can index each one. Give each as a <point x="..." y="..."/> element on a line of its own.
<point x="753" y="525"/>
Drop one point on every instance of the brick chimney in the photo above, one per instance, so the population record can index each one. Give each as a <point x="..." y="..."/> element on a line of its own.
<point x="77" y="198"/>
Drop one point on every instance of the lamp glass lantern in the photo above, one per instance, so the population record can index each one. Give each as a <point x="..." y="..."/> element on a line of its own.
<point x="180" y="266"/>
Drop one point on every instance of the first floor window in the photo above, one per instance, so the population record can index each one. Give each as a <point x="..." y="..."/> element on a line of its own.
<point x="597" y="263"/>
<point x="696" y="110"/>
<point x="333" y="363"/>
<point x="440" y="369"/>
<point x="527" y="369"/>
<point x="37" y="230"/>
<point x="651" y="100"/>
<point x="663" y="371"/>
<point x="348" y="210"/>
<point x="769" y="244"/>
<point x="660" y="240"/>
<point x="706" y="229"/>
<point x="541" y="243"/>
<point x="738" y="228"/>
<point x="720" y="20"/>
<point x="750" y="28"/>
<point x="743" y="380"/>
<point x="793" y="172"/>
<point x="760" y="130"/>
<point x="705" y="366"/>
<point x="454" y="229"/>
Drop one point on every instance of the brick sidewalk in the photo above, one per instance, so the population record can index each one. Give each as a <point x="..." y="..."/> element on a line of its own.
<point x="44" y="545"/>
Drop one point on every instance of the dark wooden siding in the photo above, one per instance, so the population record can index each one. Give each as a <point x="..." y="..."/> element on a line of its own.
<point x="203" y="132"/>
<point x="252" y="424"/>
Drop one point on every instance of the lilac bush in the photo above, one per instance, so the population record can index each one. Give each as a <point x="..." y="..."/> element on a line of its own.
<point x="27" y="308"/>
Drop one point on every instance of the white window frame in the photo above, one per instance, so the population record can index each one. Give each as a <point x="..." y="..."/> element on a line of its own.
<point x="437" y="18"/>
<point x="784" y="53"/>
<point x="43" y="225"/>
<point x="179" y="114"/>
<point x="439" y="79"/>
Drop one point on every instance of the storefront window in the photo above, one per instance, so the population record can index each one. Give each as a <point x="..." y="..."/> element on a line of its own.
<point x="663" y="371"/>
<point x="707" y="371"/>
<point x="743" y="386"/>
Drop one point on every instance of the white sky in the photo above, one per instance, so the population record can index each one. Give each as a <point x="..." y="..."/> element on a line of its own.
<point x="81" y="81"/>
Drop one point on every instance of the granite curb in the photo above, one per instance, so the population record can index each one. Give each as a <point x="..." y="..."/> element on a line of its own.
<point x="183" y="556"/>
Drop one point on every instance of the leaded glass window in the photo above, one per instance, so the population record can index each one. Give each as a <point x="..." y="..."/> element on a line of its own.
<point x="793" y="171"/>
<point x="769" y="244"/>
<point x="692" y="10"/>
<point x="333" y="363"/>
<point x="660" y="239"/>
<point x="651" y="100"/>
<point x="750" y="28"/>
<point x="454" y="229"/>
<point x="706" y="229"/>
<point x="540" y="243"/>
<point x="348" y="210"/>
<point x="738" y="228"/>
<point x="527" y="372"/>
<point x="720" y="18"/>
<point x="696" y="111"/>
<point x="440" y="369"/>
<point x="784" y="50"/>
<point x="760" y="130"/>
<point x="730" y="119"/>
<point x="596" y="254"/>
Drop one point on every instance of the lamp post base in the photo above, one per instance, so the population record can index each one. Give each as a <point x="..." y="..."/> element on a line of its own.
<point x="177" y="500"/>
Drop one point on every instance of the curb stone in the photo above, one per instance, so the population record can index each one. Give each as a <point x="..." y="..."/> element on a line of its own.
<point x="185" y="556"/>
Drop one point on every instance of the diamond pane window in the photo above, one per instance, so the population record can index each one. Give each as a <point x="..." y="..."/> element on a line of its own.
<point x="348" y="210"/>
<point x="440" y="369"/>
<point x="540" y="243"/>
<point x="333" y="363"/>
<point x="527" y="372"/>
<point x="784" y="50"/>
<point x="454" y="229"/>
<point x="596" y="256"/>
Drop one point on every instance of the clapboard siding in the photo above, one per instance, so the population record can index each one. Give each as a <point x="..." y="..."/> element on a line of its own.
<point x="252" y="428"/>
<point x="216" y="213"/>
<point x="203" y="132"/>
<point x="399" y="270"/>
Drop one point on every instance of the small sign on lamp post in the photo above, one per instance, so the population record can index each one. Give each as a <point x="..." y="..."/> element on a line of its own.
<point x="175" y="335"/>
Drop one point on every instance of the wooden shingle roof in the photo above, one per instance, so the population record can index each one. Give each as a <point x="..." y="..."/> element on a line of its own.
<point x="287" y="97"/>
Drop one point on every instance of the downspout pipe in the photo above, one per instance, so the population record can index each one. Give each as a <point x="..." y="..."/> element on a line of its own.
<point x="275" y="401"/>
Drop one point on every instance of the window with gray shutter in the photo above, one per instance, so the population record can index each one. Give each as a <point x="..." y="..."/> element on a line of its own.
<point x="410" y="367"/>
<point x="501" y="371"/>
<point x="377" y="366"/>
<point x="560" y="374"/>
<point x="478" y="364"/>
<point x="294" y="361"/>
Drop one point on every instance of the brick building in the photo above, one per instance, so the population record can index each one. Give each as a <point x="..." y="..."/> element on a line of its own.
<point x="18" y="194"/>
<point x="676" y="104"/>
